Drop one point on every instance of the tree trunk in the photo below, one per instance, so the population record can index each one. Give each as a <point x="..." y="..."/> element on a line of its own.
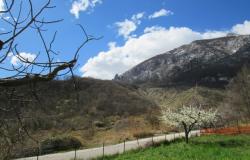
<point x="186" y="132"/>
<point x="186" y="136"/>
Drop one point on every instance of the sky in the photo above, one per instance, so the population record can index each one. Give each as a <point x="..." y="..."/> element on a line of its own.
<point x="131" y="30"/>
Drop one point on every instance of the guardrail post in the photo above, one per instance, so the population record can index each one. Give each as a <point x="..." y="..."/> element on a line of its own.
<point x="38" y="151"/>
<point x="75" y="154"/>
<point x="152" y="140"/>
<point x="124" y="149"/>
<point x="103" y="150"/>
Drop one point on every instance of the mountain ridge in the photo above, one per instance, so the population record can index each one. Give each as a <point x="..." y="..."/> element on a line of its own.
<point x="207" y="61"/>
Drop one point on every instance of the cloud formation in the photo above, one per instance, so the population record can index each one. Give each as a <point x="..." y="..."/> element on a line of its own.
<point x="242" y="28"/>
<point x="15" y="59"/>
<point x="128" y="26"/>
<point x="160" y="13"/>
<point x="2" y="7"/>
<point x="83" y="5"/>
<point x="155" y="40"/>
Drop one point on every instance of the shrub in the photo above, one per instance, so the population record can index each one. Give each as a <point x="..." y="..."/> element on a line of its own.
<point x="143" y="134"/>
<point x="99" y="124"/>
<point x="55" y="144"/>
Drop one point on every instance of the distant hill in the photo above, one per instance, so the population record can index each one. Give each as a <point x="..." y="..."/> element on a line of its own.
<point x="59" y="109"/>
<point x="91" y="99"/>
<point x="204" y="62"/>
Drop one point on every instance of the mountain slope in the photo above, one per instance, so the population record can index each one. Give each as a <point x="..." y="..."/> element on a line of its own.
<point x="212" y="61"/>
<point x="93" y="111"/>
<point x="93" y="99"/>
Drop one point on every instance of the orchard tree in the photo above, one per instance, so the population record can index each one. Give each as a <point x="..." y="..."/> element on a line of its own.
<point x="188" y="117"/>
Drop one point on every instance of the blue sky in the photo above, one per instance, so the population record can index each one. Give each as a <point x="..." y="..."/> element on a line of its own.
<point x="132" y="30"/>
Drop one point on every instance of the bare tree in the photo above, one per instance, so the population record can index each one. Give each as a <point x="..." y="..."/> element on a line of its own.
<point x="238" y="95"/>
<point x="21" y="16"/>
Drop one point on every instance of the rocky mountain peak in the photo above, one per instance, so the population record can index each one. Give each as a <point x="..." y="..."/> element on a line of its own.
<point x="202" y="61"/>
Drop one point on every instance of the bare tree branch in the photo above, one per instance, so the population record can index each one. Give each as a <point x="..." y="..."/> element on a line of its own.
<point x="28" y="72"/>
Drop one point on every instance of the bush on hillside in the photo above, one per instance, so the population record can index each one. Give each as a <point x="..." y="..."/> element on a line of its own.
<point x="143" y="134"/>
<point x="55" y="144"/>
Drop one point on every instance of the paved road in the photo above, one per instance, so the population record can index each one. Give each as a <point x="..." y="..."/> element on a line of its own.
<point x="87" y="154"/>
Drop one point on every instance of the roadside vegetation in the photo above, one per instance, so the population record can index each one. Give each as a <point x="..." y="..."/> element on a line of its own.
<point x="213" y="147"/>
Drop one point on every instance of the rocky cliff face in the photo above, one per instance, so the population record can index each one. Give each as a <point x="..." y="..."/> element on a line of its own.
<point x="204" y="61"/>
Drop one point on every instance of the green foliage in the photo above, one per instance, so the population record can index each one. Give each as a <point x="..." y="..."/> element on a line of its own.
<point x="215" y="147"/>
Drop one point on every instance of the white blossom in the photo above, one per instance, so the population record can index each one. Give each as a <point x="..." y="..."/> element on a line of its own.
<point x="189" y="117"/>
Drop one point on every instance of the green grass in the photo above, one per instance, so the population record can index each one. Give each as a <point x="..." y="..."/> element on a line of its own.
<point x="216" y="147"/>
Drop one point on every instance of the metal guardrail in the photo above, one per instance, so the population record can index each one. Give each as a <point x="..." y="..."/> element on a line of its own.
<point x="91" y="153"/>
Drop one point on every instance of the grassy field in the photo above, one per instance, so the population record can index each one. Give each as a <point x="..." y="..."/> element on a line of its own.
<point x="214" y="147"/>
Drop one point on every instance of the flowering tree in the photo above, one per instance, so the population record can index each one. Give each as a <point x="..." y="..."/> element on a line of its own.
<point x="189" y="117"/>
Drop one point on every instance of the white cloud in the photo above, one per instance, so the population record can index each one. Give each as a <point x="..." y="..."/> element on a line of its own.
<point x="160" y="13"/>
<point x="1" y="5"/>
<point x="153" y="28"/>
<point x="111" y="45"/>
<point x="126" y="27"/>
<point x="83" y="5"/>
<point x="15" y="59"/>
<point x="242" y="28"/>
<point x="137" y="17"/>
<point x="155" y="40"/>
<point x="214" y="34"/>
